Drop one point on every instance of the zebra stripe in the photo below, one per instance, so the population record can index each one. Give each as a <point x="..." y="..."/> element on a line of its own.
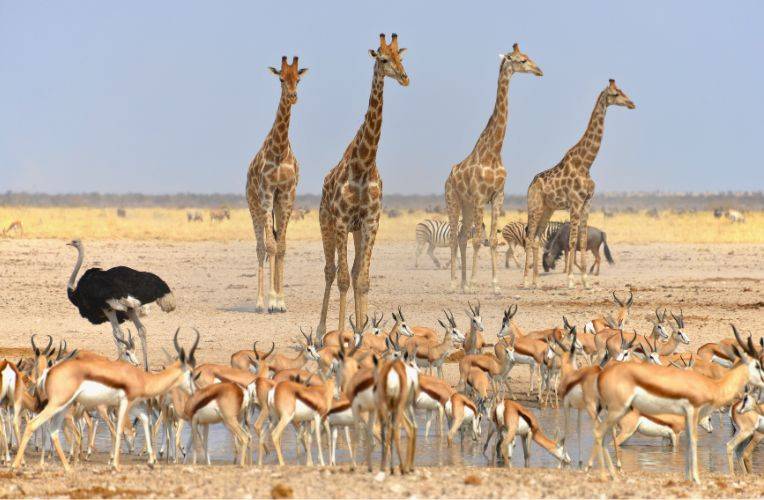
<point x="514" y="233"/>
<point x="434" y="233"/>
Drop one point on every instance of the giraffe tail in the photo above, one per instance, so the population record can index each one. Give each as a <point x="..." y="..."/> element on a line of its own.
<point x="608" y="255"/>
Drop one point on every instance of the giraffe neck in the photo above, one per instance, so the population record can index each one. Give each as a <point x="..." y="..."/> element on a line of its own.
<point x="492" y="139"/>
<point x="363" y="149"/>
<point x="278" y="138"/>
<point x="589" y="145"/>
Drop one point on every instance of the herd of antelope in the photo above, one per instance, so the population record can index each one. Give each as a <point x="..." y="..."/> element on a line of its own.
<point x="371" y="381"/>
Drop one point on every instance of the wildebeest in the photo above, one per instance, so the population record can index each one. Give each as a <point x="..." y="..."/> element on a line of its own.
<point x="121" y="212"/>
<point x="194" y="216"/>
<point x="557" y="244"/>
<point x="220" y="214"/>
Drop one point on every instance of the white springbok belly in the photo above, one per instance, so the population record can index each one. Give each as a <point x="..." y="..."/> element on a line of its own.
<point x="721" y="361"/>
<point x="364" y="400"/>
<point x="649" y="403"/>
<point x="342" y="418"/>
<point x="575" y="397"/>
<point x="524" y="359"/>
<point x="653" y="429"/>
<point x="208" y="414"/>
<point x="303" y="412"/>
<point x="91" y="394"/>
<point x="426" y="402"/>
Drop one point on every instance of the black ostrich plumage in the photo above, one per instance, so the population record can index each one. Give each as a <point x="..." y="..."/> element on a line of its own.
<point x="97" y="286"/>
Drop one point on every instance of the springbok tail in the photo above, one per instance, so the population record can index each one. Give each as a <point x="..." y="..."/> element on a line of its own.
<point x="608" y="255"/>
<point x="166" y="302"/>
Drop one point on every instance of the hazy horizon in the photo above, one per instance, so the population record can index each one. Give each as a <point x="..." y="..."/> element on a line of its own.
<point x="175" y="97"/>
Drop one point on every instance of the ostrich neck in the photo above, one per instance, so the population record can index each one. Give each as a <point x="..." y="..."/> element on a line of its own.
<point x="77" y="266"/>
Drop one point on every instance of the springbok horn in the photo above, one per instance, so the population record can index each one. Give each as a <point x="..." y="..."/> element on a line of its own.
<point x="737" y="337"/>
<point x="194" y="346"/>
<point x="254" y="348"/>
<point x="307" y="338"/>
<point x="178" y="349"/>
<point x="273" y="347"/>
<point x="617" y="300"/>
<point x="47" y="349"/>
<point x="631" y="299"/>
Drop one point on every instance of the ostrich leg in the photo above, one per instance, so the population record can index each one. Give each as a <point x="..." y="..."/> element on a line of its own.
<point x="112" y="316"/>
<point x="133" y="314"/>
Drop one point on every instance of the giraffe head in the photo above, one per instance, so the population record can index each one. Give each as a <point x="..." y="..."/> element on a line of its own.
<point x="290" y="77"/>
<point x="390" y="60"/>
<point x="616" y="96"/>
<point x="518" y="62"/>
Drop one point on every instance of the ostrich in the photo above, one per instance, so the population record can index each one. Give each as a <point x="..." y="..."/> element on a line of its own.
<point x="116" y="295"/>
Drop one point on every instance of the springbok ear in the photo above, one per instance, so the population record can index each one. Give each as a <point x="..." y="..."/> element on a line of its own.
<point x="302" y="71"/>
<point x="373" y="53"/>
<point x="274" y="71"/>
<point x="401" y="51"/>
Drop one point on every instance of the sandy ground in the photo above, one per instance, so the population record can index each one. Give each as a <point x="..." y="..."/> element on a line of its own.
<point x="302" y="482"/>
<point x="215" y="286"/>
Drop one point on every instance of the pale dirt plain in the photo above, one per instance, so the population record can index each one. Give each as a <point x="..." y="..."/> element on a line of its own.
<point x="215" y="286"/>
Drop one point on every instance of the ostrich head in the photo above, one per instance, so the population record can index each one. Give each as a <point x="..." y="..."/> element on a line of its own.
<point x="76" y="244"/>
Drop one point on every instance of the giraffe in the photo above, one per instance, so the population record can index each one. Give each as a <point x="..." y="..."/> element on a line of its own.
<point x="352" y="194"/>
<point x="271" y="180"/>
<point x="569" y="186"/>
<point x="479" y="179"/>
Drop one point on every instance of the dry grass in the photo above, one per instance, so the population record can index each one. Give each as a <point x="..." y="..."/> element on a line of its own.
<point x="171" y="224"/>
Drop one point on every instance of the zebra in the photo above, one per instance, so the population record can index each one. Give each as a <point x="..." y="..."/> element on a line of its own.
<point x="514" y="234"/>
<point x="435" y="234"/>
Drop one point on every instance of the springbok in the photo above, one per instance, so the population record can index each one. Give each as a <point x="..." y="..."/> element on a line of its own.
<point x="92" y="383"/>
<point x="432" y="354"/>
<point x="748" y="430"/>
<point x="292" y="401"/>
<point x="243" y="359"/>
<point x="659" y="389"/>
<point x="396" y="386"/>
<point x="621" y="317"/>
<point x="511" y="419"/>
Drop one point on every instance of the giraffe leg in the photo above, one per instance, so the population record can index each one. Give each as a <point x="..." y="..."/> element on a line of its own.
<point x="330" y="270"/>
<point x="358" y="251"/>
<point x="535" y="241"/>
<point x="575" y="222"/>
<point x="535" y="212"/>
<point x="452" y="205"/>
<point x="283" y="212"/>
<point x="362" y="284"/>
<point x="343" y="275"/>
<point x="583" y="243"/>
<point x="463" y="237"/>
<point x="493" y="239"/>
<point x="259" y="225"/>
<point x="477" y="242"/>
<point x="267" y="199"/>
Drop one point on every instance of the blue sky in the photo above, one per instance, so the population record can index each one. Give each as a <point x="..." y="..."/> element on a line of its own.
<point x="165" y="97"/>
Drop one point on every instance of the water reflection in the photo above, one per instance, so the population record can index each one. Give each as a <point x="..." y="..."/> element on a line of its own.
<point x="639" y="453"/>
